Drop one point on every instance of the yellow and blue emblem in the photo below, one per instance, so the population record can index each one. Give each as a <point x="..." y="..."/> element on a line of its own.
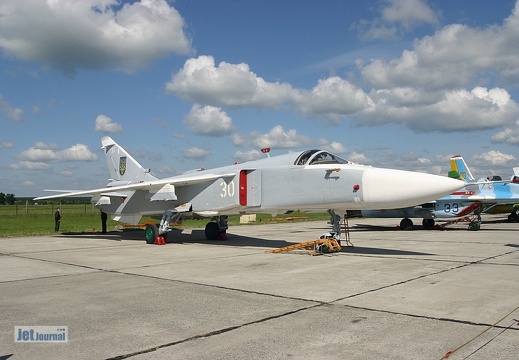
<point x="122" y="165"/>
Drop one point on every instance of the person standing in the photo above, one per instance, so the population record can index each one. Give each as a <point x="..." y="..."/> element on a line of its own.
<point x="104" y="216"/>
<point x="57" y="219"/>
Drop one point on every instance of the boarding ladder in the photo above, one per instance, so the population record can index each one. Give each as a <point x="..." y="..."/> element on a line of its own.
<point x="314" y="247"/>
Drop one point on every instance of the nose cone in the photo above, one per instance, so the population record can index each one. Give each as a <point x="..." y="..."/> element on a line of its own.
<point x="391" y="189"/>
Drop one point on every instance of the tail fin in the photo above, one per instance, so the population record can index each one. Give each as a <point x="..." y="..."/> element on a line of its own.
<point x="123" y="168"/>
<point x="458" y="165"/>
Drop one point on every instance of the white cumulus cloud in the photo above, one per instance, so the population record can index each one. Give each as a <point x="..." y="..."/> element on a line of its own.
<point x="42" y="153"/>
<point x="495" y="158"/>
<point x="209" y="121"/>
<point x="106" y="124"/>
<point x="233" y="85"/>
<point x="10" y="112"/>
<point x="91" y="34"/>
<point x="195" y="153"/>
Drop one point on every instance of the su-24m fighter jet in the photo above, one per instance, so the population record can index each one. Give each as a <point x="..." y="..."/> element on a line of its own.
<point x="313" y="180"/>
<point x="482" y="196"/>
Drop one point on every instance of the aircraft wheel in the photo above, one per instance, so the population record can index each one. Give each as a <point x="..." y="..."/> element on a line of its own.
<point x="474" y="226"/>
<point x="406" y="224"/>
<point x="428" y="223"/>
<point x="212" y="230"/>
<point x="151" y="233"/>
<point x="513" y="217"/>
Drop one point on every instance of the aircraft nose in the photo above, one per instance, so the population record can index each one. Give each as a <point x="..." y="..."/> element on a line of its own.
<point x="403" y="188"/>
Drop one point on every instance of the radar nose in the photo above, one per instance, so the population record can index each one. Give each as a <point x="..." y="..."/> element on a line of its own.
<point x="403" y="188"/>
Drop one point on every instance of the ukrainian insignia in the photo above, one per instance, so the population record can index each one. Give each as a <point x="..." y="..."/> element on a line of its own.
<point x="122" y="165"/>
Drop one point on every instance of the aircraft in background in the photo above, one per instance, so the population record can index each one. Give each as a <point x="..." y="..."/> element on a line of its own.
<point x="313" y="180"/>
<point x="476" y="197"/>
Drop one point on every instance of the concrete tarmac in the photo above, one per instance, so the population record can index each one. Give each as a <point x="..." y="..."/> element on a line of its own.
<point x="419" y="294"/>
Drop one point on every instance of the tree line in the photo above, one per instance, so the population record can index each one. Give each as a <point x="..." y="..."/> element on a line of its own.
<point x="6" y="199"/>
<point x="10" y="199"/>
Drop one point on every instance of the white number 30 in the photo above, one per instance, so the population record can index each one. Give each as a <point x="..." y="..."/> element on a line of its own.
<point x="227" y="189"/>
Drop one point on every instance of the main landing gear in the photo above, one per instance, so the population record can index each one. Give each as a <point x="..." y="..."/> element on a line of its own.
<point x="407" y="224"/>
<point x="159" y="234"/>
<point x="513" y="217"/>
<point x="214" y="230"/>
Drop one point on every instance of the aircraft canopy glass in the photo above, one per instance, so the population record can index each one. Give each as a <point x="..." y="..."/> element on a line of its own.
<point x="313" y="157"/>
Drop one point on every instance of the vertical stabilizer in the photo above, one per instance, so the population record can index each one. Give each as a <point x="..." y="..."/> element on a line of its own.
<point x="123" y="168"/>
<point x="459" y="165"/>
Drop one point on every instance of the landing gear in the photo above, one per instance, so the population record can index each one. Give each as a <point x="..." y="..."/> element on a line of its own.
<point x="212" y="230"/>
<point x="428" y="223"/>
<point x="475" y="225"/>
<point x="513" y="217"/>
<point x="335" y="234"/>
<point x="151" y="233"/>
<point x="335" y="222"/>
<point x="216" y="230"/>
<point x="406" y="224"/>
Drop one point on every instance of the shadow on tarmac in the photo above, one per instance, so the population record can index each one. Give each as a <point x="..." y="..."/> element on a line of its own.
<point x="197" y="236"/>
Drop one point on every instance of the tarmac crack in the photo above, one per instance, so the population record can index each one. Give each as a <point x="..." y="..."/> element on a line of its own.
<point x="456" y="321"/>
<point x="478" y="262"/>
<point x="212" y="333"/>
<point x="314" y="303"/>
<point x="465" y="264"/>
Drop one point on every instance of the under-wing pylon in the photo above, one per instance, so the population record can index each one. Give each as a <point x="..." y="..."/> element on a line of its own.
<point x="312" y="180"/>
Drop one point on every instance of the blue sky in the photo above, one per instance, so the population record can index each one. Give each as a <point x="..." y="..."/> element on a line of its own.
<point x="187" y="84"/>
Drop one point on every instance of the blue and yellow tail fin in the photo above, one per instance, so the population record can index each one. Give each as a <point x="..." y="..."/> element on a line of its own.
<point x="460" y="170"/>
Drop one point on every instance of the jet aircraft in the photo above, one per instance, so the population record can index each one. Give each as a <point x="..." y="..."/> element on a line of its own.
<point x="312" y="180"/>
<point x="476" y="197"/>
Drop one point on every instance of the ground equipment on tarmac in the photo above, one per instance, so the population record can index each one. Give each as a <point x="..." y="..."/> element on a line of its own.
<point x="325" y="244"/>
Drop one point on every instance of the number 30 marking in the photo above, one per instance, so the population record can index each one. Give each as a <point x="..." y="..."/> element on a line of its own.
<point x="227" y="189"/>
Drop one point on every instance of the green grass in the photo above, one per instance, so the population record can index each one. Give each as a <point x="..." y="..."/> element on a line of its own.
<point x="80" y="218"/>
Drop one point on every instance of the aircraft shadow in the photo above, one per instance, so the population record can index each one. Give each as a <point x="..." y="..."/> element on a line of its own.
<point x="125" y="234"/>
<point x="454" y="227"/>
<point x="378" y="251"/>
<point x="197" y="236"/>
<point x="178" y="236"/>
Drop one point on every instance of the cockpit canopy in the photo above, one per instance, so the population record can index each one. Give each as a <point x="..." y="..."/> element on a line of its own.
<point x="314" y="157"/>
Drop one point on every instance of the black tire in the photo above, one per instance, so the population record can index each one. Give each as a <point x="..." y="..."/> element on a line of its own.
<point x="151" y="233"/>
<point x="474" y="226"/>
<point x="212" y="230"/>
<point x="406" y="224"/>
<point x="513" y="217"/>
<point x="428" y="223"/>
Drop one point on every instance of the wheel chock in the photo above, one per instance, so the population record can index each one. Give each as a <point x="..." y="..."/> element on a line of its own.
<point x="222" y="236"/>
<point x="159" y="240"/>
